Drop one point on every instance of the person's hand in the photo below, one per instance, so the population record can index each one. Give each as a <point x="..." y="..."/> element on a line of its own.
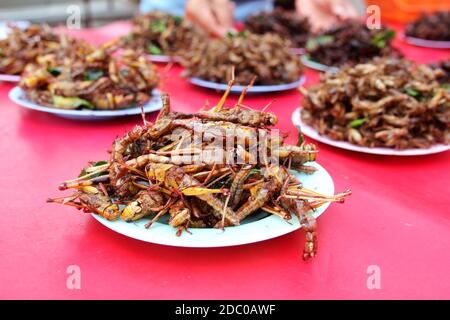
<point x="216" y="17"/>
<point x="324" y="13"/>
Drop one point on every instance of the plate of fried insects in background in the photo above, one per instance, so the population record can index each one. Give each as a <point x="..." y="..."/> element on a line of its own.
<point x="310" y="63"/>
<point x="160" y="186"/>
<point x="387" y="106"/>
<point x="101" y="86"/>
<point x="430" y="30"/>
<point x="265" y="61"/>
<point x="250" y="89"/>
<point x="314" y="134"/>
<point x="435" y="44"/>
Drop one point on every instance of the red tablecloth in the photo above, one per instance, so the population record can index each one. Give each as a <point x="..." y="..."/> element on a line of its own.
<point x="397" y="219"/>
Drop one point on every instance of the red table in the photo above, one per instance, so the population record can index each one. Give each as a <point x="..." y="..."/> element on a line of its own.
<point x="397" y="219"/>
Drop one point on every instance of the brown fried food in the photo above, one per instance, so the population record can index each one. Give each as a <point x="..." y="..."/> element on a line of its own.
<point x="431" y="26"/>
<point x="351" y="42"/>
<point x="152" y="181"/>
<point x="90" y="80"/>
<point x="384" y="103"/>
<point x="23" y="46"/>
<point x="265" y="56"/>
<point x="161" y="33"/>
<point x="286" y="24"/>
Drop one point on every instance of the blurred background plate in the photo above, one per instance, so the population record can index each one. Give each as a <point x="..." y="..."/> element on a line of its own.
<point x="254" y="89"/>
<point x="427" y="43"/>
<point x="9" y="78"/>
<point x="18" y="96"/>
<point x="4" y="28"/>
<point x="308" y="62"/>
<point x="257" y="227"/>
<point x="312" y="133"/>
<point x="163" y="58"/>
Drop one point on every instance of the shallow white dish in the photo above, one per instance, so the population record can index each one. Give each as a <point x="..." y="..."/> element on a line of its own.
<point x="427" y="43"/>
<point x="163" y="58"/>
<point x="312" y="133"/>
<point x="4" y="28"/>
<point x="254" y="89"/>
<point x="258" y="227"/>
<point x="18" y="96"/>
<point x="9" y="78"/>
<point x="306" y="60"/>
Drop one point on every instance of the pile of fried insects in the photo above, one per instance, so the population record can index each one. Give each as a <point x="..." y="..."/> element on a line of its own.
<point x="146" y="176"/>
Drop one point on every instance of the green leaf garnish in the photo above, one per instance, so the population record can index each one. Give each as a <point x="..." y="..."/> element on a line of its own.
<point x="233" y="34"/>
<point x="92" y="75"/>
<point x="254" y="171"/>
<point x="154" y="49"/>
<point x="314" y="43"/>
<point x="445" y="86"/>
<point x="357" y="123"/>
<point x="54" y="71"/>
<point x="100" y="163"/>
<point x="96" y="164"/>
<point x="71" y="103"/>
<point x="158" y="26"/>
<point x="411" y="92"/>
<point x="382" y="38"/>
<point x="178" y="20"/>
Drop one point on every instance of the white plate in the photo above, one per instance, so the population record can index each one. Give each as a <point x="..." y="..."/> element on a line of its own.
<point x="4" y="28"/>
<point x="306" y="60"/>
<point x="9" y="78"/>
<point x="426" y="43"/>
<point x="312" y="133"/>
<point x="267" y="227"/>
<point x="163" y="58"/>
<point x="18" y="96"/>
<point x="254" y="89"/>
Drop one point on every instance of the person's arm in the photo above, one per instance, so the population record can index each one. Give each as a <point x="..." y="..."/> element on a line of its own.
<point x="216" y="17"/>
<point x="325" y="13"/>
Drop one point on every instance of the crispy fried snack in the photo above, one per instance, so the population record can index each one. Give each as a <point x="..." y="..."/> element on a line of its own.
<point x="265" y="56"/>
<point x="23" y="46"/>
<point x="442" y="72"/>
<point x="90" y="78"/>
<point x="161" y="33"/>
<point x="285" y="23"/>
<point x="155" y="170"/>
<point x="432" y="26"/>
<point x="350" y="42"/>
<point x="384" y="103"/>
